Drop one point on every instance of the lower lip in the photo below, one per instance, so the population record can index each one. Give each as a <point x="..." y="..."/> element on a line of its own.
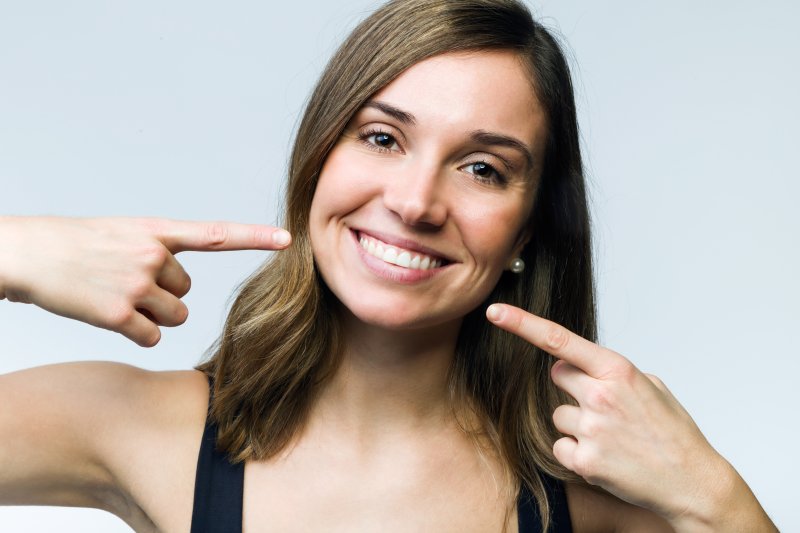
<point x="391" y="272"/>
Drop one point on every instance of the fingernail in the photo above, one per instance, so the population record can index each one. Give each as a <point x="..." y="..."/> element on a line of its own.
<point x="494" y="313"/>
<point x="281" y="237"/>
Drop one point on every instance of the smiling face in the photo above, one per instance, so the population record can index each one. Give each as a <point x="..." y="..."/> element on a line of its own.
<point x="423" y="201"/>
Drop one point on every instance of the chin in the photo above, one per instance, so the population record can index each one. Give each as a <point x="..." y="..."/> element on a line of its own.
<point x="395" y="316"/>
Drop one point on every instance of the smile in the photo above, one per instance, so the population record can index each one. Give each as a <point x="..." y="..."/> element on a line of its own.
<point x="398" y="256"/>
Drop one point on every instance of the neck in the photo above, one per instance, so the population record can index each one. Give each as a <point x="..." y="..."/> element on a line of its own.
<point x="389" y="381"/>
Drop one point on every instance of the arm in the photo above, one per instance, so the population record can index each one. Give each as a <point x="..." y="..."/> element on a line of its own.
<point x="56" y="422"/>
<point x="629" y="435"/>
<point x="60" y="425"/>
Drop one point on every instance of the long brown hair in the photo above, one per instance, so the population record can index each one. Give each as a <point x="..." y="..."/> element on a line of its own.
<point x="281" y="340"/>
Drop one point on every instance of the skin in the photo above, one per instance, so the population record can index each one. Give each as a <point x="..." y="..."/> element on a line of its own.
<point x="381" y="450"/>
<point x="424" y="187"/>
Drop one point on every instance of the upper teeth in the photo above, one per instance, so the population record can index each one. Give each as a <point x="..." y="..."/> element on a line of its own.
<point x="398" y="256"/>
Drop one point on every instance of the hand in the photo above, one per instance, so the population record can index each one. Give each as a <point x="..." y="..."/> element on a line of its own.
<point x="628" y="434"/>
<point x="115" y="273"/>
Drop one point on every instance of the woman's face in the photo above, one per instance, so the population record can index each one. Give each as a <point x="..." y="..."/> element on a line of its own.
<point x="421" y="204"/>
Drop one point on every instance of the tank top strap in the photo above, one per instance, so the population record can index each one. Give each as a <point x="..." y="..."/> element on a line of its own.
<point x="219" y="486"/>
<point x="219" y="490"/>
<point x="529" y="518"/>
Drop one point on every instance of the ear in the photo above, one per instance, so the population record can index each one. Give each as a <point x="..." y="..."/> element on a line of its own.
<point x="523" y="239"/>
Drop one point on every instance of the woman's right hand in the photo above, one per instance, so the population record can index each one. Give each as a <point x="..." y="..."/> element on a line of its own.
<point x="115" y="273"/>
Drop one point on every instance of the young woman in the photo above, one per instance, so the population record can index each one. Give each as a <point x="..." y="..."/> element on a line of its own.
<point x="418" y="358"/>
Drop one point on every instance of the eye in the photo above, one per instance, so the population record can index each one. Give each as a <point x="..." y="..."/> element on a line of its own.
<point x="378" y="140"/>
<point x="485" y="173"/>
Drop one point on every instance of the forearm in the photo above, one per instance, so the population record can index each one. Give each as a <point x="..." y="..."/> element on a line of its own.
<point x="727" y="505"/>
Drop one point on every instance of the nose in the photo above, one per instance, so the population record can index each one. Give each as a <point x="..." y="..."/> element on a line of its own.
<point x="415" y="195"/>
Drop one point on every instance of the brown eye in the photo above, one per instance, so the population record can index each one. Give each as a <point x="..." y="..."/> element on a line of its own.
<point x="384" y="140"/>
<point x="482" y="169"/>
<point x="379" y="140"/>
<point x="485" y="172"/>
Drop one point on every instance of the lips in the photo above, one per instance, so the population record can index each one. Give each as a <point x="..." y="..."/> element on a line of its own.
<point x="398" y="256"/>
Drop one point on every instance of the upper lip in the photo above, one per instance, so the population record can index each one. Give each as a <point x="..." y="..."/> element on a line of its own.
<point x="401" y="242"/>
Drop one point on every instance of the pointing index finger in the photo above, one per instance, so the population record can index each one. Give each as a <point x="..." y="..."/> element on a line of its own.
<point x="555" y="339"/>
<point x="182" y="235"/>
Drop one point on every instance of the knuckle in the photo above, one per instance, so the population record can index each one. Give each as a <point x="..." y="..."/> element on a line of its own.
<point x="591" y="427"/>
<point x="558" y="414"/>
<point x="139" y="288"/>
<point x="515" y="320"/>
<point x="151" y="224"/>
<point x="151" y="338"/>
<point x="599" y="398"/>
<point x="119" y="317"/>
<point x="556" y="338"/>
<point x="561" y="449"/>
<point x="557" y="369"/>
<point x="625" y="370"/>
<point x="656" y="381"/>
<point x="216" y="234"/>
<point x="258" y="236"/>
<point x="154" y="255"/>
<point x="586" y="463"/>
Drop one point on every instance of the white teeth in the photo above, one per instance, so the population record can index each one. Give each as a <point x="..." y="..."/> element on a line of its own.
<point x="400" y="257"/>
<point x="404" y="259"/>
<point x="390" y="256"/>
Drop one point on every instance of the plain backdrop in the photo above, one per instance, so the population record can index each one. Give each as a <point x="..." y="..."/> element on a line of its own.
<point x="689" y="114"/>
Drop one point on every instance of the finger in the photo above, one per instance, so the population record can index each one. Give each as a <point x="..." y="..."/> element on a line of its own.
<point x="182" y="235"/>
<point x="173" y="278"/>
<point x="554" y="339"/>
<point x="564" y="451"/>
<point x="566" y="418"/>
<point x="571" y="379"/>
<point x="164" y="307"/>
<point x="140" y="330"/>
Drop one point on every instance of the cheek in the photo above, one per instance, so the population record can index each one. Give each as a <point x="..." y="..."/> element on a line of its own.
<point x="492" y="232"/>
<point x="344" y="183"/>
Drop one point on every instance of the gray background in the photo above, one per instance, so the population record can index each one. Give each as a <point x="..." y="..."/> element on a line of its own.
<point x="689" y="116"/>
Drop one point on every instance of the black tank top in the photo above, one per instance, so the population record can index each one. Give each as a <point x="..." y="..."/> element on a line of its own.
<point x="219" y="487"/>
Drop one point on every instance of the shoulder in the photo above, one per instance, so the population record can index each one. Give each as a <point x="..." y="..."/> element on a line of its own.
<point x="157" y="428"/>
<point x="111" y="396"/>
<point x="151" y="442"/>
<point x="593" y="510"/>
<point x="90" y="434"/>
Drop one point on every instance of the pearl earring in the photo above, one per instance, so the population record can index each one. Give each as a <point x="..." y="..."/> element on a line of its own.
<point x="517" y="265"/>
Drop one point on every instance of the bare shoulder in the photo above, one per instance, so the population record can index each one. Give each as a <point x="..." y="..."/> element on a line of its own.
<point x="154" y="458"/>
<point x="90" y="433"/>
<point x="108" y="397"/>
<point x="593" y="510"/>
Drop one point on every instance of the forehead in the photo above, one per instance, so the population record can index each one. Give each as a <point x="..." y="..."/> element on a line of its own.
<point x="487" y="90"/>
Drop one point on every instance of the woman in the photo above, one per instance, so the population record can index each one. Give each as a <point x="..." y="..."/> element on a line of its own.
<point x="358" y="383"/>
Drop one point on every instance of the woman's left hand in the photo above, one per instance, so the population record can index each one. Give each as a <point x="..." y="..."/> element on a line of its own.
<point x="628" y="434"/>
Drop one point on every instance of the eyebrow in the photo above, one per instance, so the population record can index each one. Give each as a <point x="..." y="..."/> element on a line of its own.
<point x="392" y="111"/>
<point x="495" y="139"/>
<point x="484" y="137"/>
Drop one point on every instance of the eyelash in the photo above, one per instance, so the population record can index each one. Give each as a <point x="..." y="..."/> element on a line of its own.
<point x="498" y="179"/>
